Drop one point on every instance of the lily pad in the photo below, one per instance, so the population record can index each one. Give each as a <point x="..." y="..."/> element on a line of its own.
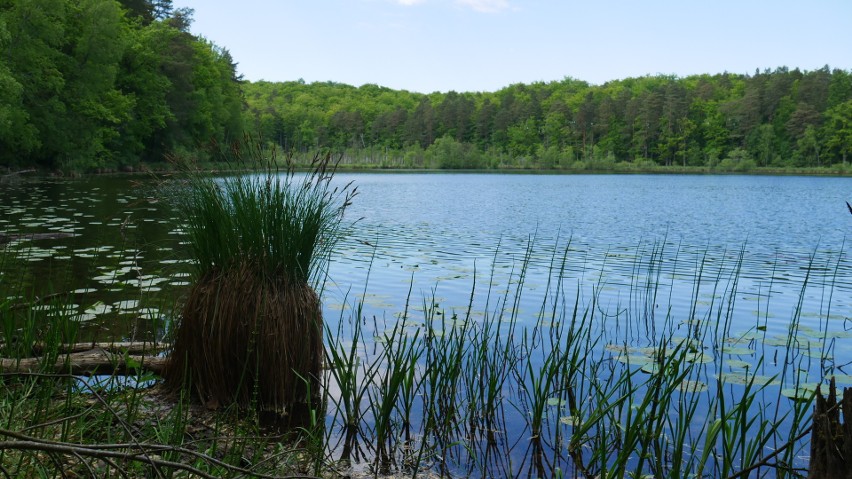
<point x="737" y="364"/>
<point x="737" y="351"/>
<point x="804" y="392"/>
<point x="742" y="378"/>
<point x="692" y="386"/>
<point x="98" y="308"/>
<point x="570" y="420"/>
<point x="127" y="304"/>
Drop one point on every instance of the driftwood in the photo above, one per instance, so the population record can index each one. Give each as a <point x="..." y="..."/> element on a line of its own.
<point x="129" y="347"/>
<point x="89" y="359"/>
<point x="831" y="440"/>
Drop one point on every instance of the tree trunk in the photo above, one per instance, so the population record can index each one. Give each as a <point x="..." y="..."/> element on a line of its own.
<point x="831" y="441"/>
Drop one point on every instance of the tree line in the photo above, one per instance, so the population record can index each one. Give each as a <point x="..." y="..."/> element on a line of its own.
<point x="779" y="119"/>
<point x="102" y="84"/>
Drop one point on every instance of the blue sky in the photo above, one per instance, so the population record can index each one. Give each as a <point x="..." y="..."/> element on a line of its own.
<point x="484" y="45"/>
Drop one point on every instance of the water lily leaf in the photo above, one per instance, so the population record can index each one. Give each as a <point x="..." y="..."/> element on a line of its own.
<point x="804" y="392"/>
<point x="743" y="377"/>
<point x="776" y="341"/>
<point x="83" y="317"/>
<point x="84" y="290"/>
<point x="737" y="364"/>
<point x="692" y="386"/>
<point x="149" y="313"/>
<point x="634" y="360"/>
<point x="570" y="420"/>
<point x="98" y="308"/>
<point x="128" y="304"/>
<point x="737" y="351"/>
<point x="699" y="358"/>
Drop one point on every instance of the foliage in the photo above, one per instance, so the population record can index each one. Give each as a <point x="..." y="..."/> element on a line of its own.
<point x="90" y="85"/>
<point x="781" y="118"/>
<point x="99" y="84"/>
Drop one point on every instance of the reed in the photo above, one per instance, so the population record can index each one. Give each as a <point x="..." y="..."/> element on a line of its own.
<point x="632" y="389"/>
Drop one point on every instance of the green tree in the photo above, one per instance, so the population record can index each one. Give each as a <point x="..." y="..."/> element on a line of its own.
<point x="34" y="55"/>
<point x="97" y="37"/>
<point x="13" y="118"/>
<point x="838" y="129"/>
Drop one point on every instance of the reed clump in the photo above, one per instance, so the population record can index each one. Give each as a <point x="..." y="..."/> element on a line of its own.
<point x="250" y="331"/>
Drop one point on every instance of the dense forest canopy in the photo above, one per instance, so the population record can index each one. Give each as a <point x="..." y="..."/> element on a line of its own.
<point x="781" y="118"/>
<point x="90" y="84"/>
<point x="102" y="84"/>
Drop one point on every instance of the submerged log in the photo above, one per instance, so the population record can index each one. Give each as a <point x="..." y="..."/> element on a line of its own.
<point x="831" y="440"/>
<point x="97" y="361"/>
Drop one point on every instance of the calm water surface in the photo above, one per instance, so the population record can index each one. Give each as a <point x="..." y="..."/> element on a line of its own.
<point x="431" y="232"/>
<point x="438" y="227"/>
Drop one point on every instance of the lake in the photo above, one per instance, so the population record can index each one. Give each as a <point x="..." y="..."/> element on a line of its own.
<point x="644" y="256"/>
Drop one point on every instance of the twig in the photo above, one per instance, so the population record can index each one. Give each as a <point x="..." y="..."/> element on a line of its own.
<point x="765" y="460"/>
<point x="71" y="449"/>
<point x="102" y="451"/>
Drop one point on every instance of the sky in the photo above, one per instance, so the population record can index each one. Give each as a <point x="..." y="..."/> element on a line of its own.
<point x="484" y="45"/>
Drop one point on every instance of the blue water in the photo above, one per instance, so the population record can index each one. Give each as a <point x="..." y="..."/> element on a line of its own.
<point x="435" y="228"/>
<point x="655" y="252"/>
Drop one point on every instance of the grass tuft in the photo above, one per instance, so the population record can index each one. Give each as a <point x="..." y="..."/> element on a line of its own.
<point x="250" y="332"/>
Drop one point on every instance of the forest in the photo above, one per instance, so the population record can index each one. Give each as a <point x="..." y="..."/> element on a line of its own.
<point x="100" y="85"/>
<point x="772" y="119"/>
<point x="89" y="85"/>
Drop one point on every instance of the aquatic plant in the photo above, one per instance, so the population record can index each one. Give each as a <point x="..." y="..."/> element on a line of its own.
<point x="250" y="331"/>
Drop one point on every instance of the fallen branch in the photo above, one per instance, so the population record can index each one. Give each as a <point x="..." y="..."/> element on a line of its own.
<point x="129" y="347"/>
<point x="134" y="452"/>
<point x="87" y="363"/>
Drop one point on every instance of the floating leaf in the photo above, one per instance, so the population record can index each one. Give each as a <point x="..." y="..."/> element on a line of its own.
<point x="804" y="392"/>
<point x="738" y="351"/>
<point x="737" y="364"/>
<point x="570" y="420"/>
<point x="743" y="377"/>
<point x="692" y="386"/>
<point x="128" y="304"/>
<point x="98" y="308"/>
<point x="699" y="358"/>
<point x="634" y="359"/>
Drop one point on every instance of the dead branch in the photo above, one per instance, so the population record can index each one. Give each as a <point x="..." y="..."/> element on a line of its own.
<point x="87" y="363"/>
<point x="128" y="452"/>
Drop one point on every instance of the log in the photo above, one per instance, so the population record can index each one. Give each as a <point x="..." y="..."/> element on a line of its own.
<point x="831" y="440"/>
<point x="129" y="347"/>
<point x="87" y="363"/>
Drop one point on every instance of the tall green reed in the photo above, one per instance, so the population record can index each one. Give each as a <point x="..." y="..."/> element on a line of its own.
<point x="601" y="389"/>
